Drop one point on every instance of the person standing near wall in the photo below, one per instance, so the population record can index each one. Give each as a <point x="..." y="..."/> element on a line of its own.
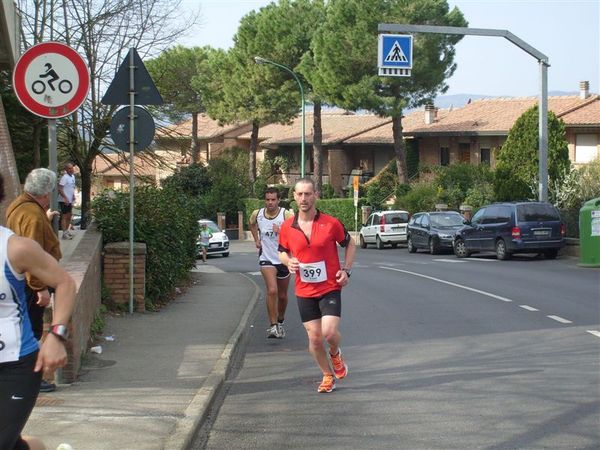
<point x="264" y="226"/>
<point x="66" y="199"/>
<point x="28" y="216"/>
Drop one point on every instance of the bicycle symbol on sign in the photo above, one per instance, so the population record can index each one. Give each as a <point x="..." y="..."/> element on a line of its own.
<point x="39" y="86"/>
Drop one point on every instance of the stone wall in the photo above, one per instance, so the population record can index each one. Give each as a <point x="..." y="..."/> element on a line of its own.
<point x="85" y="266"/>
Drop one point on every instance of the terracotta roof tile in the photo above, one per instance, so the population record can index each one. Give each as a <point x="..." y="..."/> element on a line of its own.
<point x="488" y="116"/>
<point x="336" y="128"/>
<point x="207" y="128"/>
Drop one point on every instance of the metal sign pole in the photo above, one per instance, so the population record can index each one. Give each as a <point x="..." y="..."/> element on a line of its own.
<point x="53" y="166"/>
<point x="131" y="177"/>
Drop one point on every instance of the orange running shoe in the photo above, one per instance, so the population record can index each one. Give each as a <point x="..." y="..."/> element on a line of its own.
<point x="339" y="366"/>
<point x="327" y="385"/>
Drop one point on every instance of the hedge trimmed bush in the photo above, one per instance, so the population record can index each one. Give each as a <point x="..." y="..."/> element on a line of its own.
<point x="166" y="221"/>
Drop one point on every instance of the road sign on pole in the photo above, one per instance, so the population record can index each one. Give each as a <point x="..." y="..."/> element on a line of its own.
<point x="51" y="80"/>
<point x="395" y="55"/>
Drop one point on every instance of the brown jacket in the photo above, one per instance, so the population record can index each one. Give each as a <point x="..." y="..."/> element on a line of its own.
<point x="27" y="218"/>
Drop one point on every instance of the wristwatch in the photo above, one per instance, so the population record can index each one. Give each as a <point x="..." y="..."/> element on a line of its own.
<point x="60" y="331"/>
<point x="348" y="272"/>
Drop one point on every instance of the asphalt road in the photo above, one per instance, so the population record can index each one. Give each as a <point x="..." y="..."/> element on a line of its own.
<point x="443" y="354"/>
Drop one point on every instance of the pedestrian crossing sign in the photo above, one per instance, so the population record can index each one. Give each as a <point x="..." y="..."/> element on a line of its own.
<point x="395" y="55"/>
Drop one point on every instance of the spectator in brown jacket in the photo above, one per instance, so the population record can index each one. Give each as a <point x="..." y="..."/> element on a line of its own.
<point x="28" y="216"/>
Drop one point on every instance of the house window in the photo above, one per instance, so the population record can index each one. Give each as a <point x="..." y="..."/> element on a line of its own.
<point x="586" y="148"/>
<point x="444" y="156"/>
<point x="485" y="156"/>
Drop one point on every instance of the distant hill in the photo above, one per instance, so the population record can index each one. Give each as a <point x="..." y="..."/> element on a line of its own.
<point x="459" y="100"/>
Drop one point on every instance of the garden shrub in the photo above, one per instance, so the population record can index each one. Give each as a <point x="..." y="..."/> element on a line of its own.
<point x="166" y="221"/>
<point x="421" y="197"/>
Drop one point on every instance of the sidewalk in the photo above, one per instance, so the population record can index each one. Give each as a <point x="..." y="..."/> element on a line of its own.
<point x="152" y="384"/>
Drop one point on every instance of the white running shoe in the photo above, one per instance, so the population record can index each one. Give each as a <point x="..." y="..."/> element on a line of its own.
<point x="281" y="329"/>
<point x="273" y="332"/>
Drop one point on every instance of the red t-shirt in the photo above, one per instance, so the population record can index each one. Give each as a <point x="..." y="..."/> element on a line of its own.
<point x="319" y="261"/>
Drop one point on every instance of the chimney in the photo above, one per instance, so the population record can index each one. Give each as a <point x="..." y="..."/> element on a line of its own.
<point x="429" y="114"/>
<point x="584" y="89"/>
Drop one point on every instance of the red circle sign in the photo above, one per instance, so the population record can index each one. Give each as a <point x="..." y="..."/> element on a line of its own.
<point x="51" y="80"/>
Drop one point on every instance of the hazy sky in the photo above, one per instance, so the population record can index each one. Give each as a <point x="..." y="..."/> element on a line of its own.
<point x="567" y="31"/>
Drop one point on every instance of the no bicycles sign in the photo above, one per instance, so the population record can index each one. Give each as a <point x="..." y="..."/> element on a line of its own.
<point x="51" y="80"/>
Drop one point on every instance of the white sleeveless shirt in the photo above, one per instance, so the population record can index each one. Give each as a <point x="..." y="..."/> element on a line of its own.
<point x="16" y="336"/>
<point x="269" y="239"/>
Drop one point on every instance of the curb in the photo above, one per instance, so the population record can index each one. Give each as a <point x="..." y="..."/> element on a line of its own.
<point x="197" y="411"/>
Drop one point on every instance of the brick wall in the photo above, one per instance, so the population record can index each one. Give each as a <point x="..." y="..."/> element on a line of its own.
<point x="8" y="166"/>
<point x="116" y="273"/>
<point x="85" y="266"/>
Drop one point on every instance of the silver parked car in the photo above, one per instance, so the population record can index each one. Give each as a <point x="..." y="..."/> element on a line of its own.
<point x="219" y="242"/>
<point x="384" y="228"/>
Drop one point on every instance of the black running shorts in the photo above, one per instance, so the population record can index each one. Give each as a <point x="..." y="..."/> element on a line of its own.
<point x="313" y="308"/>
<point x="65" y="208"/>
<point x="19" y="389"/>
<point x="282" y="271"/>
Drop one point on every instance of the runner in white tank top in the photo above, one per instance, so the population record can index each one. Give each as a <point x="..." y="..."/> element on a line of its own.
<point x="21" y="363"/>
<point x="264" y="226"/>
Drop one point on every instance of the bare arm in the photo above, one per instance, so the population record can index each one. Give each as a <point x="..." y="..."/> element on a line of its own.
<point x="26" y="255"/>
<point x="254" y="228"/>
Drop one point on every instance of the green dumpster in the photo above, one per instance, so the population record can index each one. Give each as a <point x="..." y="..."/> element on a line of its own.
<point x="589" y="234"/>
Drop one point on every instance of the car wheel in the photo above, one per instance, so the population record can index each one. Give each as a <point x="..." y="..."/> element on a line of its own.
<point x="501" y="252"/>
<point x="433" y="246"/>
<point x="460" y="249"/>
<point x="379" y="243"/>
<point x="363" y="244"/>
<point x="551" y="253"/>
<point x="225" y="255"/>
<point x="410" y="246"/>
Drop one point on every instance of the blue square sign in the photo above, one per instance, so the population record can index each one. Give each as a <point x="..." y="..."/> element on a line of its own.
<point x="395" y="52"/>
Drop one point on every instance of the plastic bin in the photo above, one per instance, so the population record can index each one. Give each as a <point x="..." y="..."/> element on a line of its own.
<point x="589" y="234"/>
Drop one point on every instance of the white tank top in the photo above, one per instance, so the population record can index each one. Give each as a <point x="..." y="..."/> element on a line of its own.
<point x="16" y="336"/>
<point x="269" y="239"/>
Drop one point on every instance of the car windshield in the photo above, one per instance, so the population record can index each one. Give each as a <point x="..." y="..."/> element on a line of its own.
<point x="396" y="218"/>
<point x="446" y="220"/>
<point x="211" y="226"/>
<point x="536" y="212"/>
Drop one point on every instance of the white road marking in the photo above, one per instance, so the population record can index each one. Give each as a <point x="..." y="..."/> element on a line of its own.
<point x="559" y="319"/>
<point x="254" y="273"/>
<point x="450" y="260"/>
<point x="594" y="332"/>
<point x="528" y="308"/>
<point x="467" y="288"/>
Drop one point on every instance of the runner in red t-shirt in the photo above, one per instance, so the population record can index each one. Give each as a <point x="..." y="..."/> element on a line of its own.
<point x="308" y="247"/>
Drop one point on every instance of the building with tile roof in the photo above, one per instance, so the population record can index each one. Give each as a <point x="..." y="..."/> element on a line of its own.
<point x="363" y="143"/>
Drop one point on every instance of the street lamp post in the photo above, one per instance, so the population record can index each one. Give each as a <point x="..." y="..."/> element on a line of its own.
<point x="260" y="60"/>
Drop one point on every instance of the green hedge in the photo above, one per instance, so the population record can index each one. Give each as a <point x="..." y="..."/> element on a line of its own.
<point x="166" y="221"/>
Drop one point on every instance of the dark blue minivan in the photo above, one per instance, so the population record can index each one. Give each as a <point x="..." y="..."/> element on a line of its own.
<point x="512" y="227"/>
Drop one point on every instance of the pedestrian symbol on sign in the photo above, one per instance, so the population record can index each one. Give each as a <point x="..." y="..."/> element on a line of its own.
<point x="396" y="54"/>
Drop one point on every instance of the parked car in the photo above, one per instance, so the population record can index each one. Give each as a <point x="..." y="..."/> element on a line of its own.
<point x="219" y="242"/>
<point x="512" y="227"/>
<point x="383" y="228"/>
<point x="433" y="231"/>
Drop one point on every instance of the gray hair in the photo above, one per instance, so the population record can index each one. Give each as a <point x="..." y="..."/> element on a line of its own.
<point x="40" y="182"/>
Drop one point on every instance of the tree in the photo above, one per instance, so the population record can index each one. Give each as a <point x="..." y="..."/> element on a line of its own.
<point x="254" y="93"/>
<point x="172" y="72"/>
<point x="517" y="162"/>
<point x="345" y="59"/>
<point x="101" y="32"/>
